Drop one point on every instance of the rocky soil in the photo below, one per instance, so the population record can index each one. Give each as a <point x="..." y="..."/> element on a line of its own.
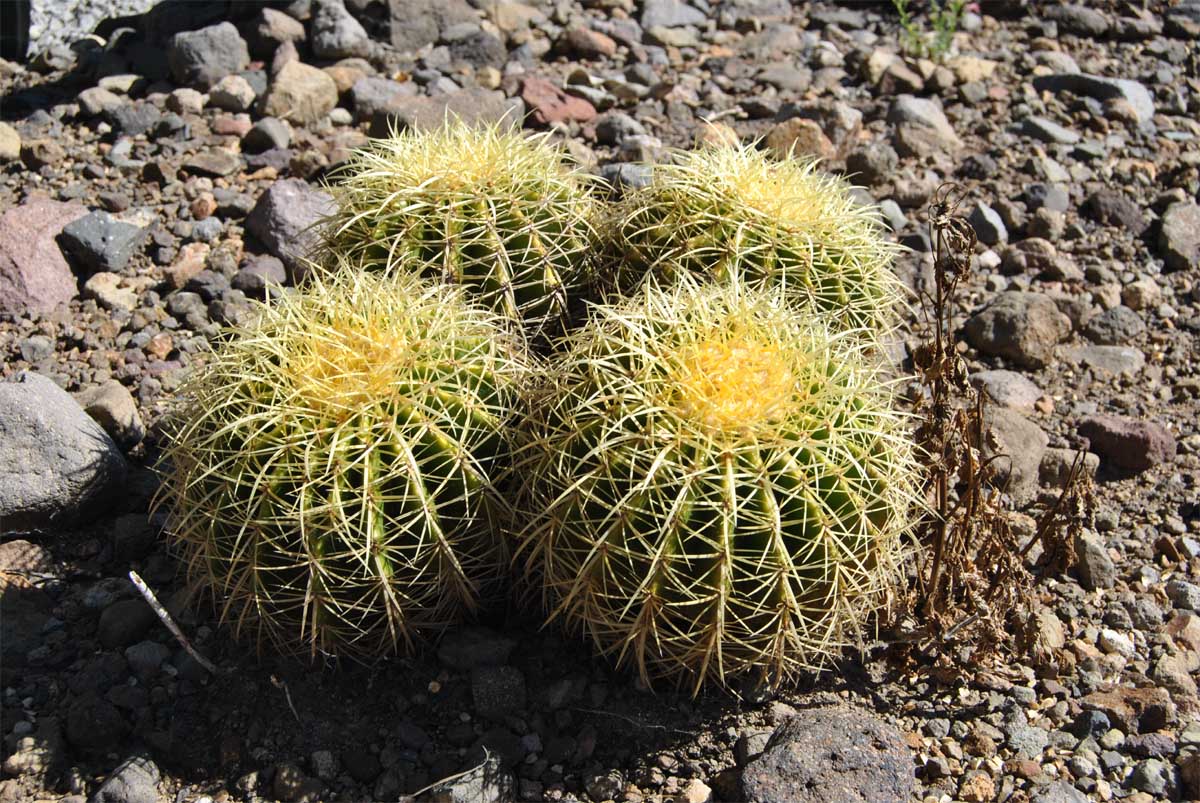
<point x="156" y="179"/>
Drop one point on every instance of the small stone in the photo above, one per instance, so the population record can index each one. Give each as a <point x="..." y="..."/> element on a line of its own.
<point x="266" y="134"/>
<point x="273" y="29"/>
<point x="1132" y="93"/>
<point x="822" y="755"/>
<point x="190" y="260"/>
<point x="799" y="138"/>
<point x="549" y="104"/>
<point x="1129" y="444"/>
<point x="258" y="274"/>
<point x="1095" y="567"/>
<point x="124" y="622"/>
<point x="978" y="787"/>
<point x="101" y="242"/>
<point x="874" y="164"/>
<point x="10" y="143"/>
<point x="1179" y="237"/>
<point x="1133" y="710"/>
<point x="324" y="764"/>
<point x="1110" y="207"/>
<point x="473" y="106"/>
<point x="95" y="101"/>
<point x="38" y="153"/>
<point x="1154" y="777"/>
<point x="467" y="647"/>
<point x="988" y="225"/>
<point x="670" y="14"/>
<point x="1048" y="131"/>
<point x="300" y="94"/>
<point x="1113" y="360"/>
<point x="371" y="94"/>
<point x="588" y="43"/>
<point x="185" y="101"/>
<point x="94" y="724"/>
<point x="112" y="406"/>
<point x="1020" y="326"/>
<point x="283" y="221"/>
<point x="146" y="658"/>
<point x="1184" y="595"/>
<point x="921" y="127"/>
<point x="335" y="34"/>
<point x="1007" y="389"/>
<point x="202" y="58"/>
<point x="134" y="781"/>
<point x="232" y="93"/>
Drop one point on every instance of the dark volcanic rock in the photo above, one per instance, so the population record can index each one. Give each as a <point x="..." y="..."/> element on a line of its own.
<point x="201" y="58"/>
<point x="831" y="755"/>
<point x="284" y="217"/>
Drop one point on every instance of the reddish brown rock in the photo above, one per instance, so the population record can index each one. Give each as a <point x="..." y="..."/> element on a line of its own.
<point x="1133" y="710"/>
<point x="800" y="138"/>
<point x="34" y="274"/>
<point x="549" y="104"/>
<point x="589" y="44"/>
<point x="1128" y="443"/>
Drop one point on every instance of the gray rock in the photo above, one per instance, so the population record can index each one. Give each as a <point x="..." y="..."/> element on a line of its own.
<point x="94" y="724"/>
<point x="1114" y="360"/>
<point x="1056" y="465"/>
<point x="1027" y="741"/>
<point x="1019" y="326"/>
<point x="1128" y="443"/>
<point x="258" y="274"/>
<point x="988" y="224"/>
<point x="337" y="35"/>
<point x="35" y="348"/>
<point x="124" y="622"/>
<point x="1111" y="207"/>
<point x="34" y="276"/>
<point x="1095" y="567"/>
<point x="1058" y="792"/>
<point x="284" y="219"/>
<point x="266" y="134"/>
<point x="831" y="755"/>
<point x="1047" y="196"/>
<point x="473" y="106"/>
<point x="1115" y="327"/>
<point x="1101" y="88"/>
<point x="1022" y="444"/>
<point x="622" y="176"/>
<point x="1007" y="389"/>
<point x="613" y="127"/>
<point x="232" y="93"/>
<point x="478" y="49"/>
<point x="95" y="100"/>
<point x="299" y="93"/>
<point x="921" y="127"/>
<point x="112" y="406"/>
<point x="466" y="648"/>
<point x="272" y="29"/>
<point x="1179" y="238"/>
<point x="1184" y="595"/>
<point x="10" y="143"/>
<point x="201" y="58"/>
<point x="1079" y="19"/>
<point x="1156" y="778"/>
<point x="873" y="164"/>
<point x="146" y="657"/>
<point x="132" y="119"/>
<point x="101" y="242"/>
<point x="1048" y="131"/>
<point x="416" y="23"/>
<point x="670" y="14"/>
<point x="56" y="464"/>
<point x="372" y="94"/>
<point x="134" y="781"/>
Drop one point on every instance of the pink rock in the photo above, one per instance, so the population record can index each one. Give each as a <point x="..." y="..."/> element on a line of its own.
<point x="34" y="275"/>
<point x="550" y="104"/>
<point x="1128" y="443"/>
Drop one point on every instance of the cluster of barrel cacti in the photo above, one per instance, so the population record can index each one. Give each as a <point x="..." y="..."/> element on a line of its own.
<point x="664" y="416"/>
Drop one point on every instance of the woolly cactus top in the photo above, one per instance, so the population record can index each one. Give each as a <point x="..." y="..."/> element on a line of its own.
<point x="487" y="207"/>
<point x="717" y="484"/>
<point x="733" y="211"/>
<point x="330" y="467"/>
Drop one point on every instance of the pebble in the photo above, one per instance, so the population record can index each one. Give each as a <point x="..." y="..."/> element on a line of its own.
<point x="1179" y="236"/>
<point x="112" y="406"/>
<point x="921" y="127"/>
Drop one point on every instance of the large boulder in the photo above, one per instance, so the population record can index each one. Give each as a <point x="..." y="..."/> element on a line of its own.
<point x="56" y="463"/>
<point x="831" y="755"/>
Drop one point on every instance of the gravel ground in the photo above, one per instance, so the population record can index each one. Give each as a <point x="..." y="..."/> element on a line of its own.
<point x="151" y="188"/>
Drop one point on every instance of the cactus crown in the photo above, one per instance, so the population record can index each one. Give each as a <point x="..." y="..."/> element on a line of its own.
<point x="330" y="469"/>
<point x="732" y="211"/>
<point x="715" y="484"/>
<point x="486" y="207"/>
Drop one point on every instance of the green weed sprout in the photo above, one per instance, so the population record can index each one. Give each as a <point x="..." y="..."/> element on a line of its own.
<point x="715" y="485"/>
<point x="330" y="470"/>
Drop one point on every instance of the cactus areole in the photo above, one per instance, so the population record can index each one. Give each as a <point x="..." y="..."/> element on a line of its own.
<point x="331" y="468"/>
<point x="716" y="485"/>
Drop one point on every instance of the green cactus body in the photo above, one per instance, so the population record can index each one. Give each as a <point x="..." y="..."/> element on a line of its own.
<point x="330" y="469"/>
<point x="715" y="485"/>
<point x="488" y="208"/>
<point x="732" y="211"/>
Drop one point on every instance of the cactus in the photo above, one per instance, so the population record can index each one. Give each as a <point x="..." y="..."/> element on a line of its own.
<point x="485" y="207"/>
<point x="330" y="469"/>
<point x="732" y="211"/>
<point x="714" y="484"/>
